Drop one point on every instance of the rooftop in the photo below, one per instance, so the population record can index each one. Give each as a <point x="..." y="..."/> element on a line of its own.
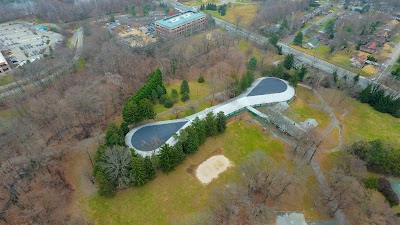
<point x="180" y="18"/>
<point x="2" y="59"/>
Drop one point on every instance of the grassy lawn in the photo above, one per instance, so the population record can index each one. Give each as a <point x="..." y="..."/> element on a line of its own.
<point x="80" y="64"/>
<point x="300" y="110"/>
<point x="199" y="2"/>
<point x="197" y="92"/>
<point x="171" y="197"/>
<point x="331" y="141"/>
<point x="338" y="58"/>
<point x="245" y="45"/>
<point x="243" y="13"/>
<point x="364" y="122"/>
<point x="5" y="80"/>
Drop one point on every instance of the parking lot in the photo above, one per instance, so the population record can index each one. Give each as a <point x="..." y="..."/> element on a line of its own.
<point x="24" y="42"/>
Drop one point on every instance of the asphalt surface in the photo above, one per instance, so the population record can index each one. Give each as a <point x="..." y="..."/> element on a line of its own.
<point x="78" y="37"/>
<point x="152" y="137"/>
<point x="269" y="86"/>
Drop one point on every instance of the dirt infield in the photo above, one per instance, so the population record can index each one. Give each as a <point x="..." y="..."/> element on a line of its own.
<point x="211" y="168"/>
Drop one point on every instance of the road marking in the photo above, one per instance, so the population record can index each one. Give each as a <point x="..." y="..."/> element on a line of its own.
<point x="390" y="62"/>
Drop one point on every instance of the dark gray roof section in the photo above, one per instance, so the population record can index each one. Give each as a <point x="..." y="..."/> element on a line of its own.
<point x="269" y="85"/>
<point x="152" y="137"/>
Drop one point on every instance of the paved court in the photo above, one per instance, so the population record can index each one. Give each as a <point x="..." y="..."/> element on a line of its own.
<point x="269" y="85"/>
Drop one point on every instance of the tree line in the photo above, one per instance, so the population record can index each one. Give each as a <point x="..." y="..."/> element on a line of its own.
<point x="139" y="107"/>
<point x="117" y="167"/>
<point x="376" y="97"/>
<point x="379" y="157"/>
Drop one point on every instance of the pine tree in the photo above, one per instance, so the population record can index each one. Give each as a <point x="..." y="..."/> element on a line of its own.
<point x="298" y="39"/>
<point x="154" y="97"/>
<point x="114" y="136"/>
<point x="184" y="87"/>
<point x="356" y="78"/>
<point x="97" y="158"/>
<point x="252" y="64"/>
<point x="174" y="95"/>
<point x="165" y="158"/>
<point x="211" y="124"/>
<point x="146" y="109"/>
<point x="288" y="61"/>
<point x="160" y="91"/>
<point x="221" y="122"/>
<point x="335" y="76"/>
<point x="149" y="168"/>
<point x="200" y="127"/>
<point x="201" y="79"/>
<point x="124" y="128"/>
<point x="138" y="172"/>
<point x="185" y="97"/>
<point x="105" y="187"/>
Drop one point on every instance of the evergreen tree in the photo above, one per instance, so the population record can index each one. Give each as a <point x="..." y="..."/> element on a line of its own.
<point x="303" y="72"/>
<point x="124" y="128"/>
<point x="185" y="97"/>
<point x="298" y="39"/>
<point x="160" y="91"/>
<point x="138" y="172"/>
<point x="279" y="50"/>
<point x="114" y="136"/>
<point x="335" y="76"/>
<point x="211" y="124"/>
<point x="294" y="80"/>
<point x="252" y="64"/>
<point x="201" y="79"/>
<point x="165" y="158"/>
<point x="200" y="127"/>
<point x="105" y="187"/>
<point x="149" y="168"/>
<point x="146" y="109"/>
<point x="273" y="39"/>
<point x="154" y="97"/>
<point x="98" y="157"/>
<point x="184" y="87"/>
<point x="174" y="95"/>
<point x="221" y="122"/>
<point x="288" y="61"/>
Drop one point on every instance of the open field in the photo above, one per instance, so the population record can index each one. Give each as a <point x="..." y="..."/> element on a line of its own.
<point x="338" y="58"/>
<point x="300" y="110"/>
<point x="369" y="70"/>
<point x="238" y="14"/>
<point x="174" y="196"/>
<point x="197" y="92"/>
<point x="363" y="122"/>
<point x="5" y="80"/>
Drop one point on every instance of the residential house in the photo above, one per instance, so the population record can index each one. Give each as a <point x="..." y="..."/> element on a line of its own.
<point x="370" y="48"/>
<point x="359" y="61"/>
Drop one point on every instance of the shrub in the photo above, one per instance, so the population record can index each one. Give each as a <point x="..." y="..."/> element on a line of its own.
<point x="168" y="103"/>
<point x="163" y="98"/>
<point x="371" y="182"/>
<point x="201" y="79"/>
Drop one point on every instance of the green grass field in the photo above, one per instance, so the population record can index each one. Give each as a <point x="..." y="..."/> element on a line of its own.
<point x="4" y="80"/>
<point x="364" y="122"/>
<point x="338" y="58"/>
<point x="197" y="92"/>
<point x="300" y="110"/>
<point x="243" y="14"/>
<point x="171" y="197"/>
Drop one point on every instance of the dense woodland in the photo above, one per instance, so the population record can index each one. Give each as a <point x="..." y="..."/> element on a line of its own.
<point x="67" y="10"/>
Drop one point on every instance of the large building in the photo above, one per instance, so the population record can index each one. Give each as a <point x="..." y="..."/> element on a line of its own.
<point x="4" y="67"/>
<point x="182" y="24"/>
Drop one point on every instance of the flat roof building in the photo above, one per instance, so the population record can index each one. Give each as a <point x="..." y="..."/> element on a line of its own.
<point x="182" y="24"/>
<point x="4" y="67"/>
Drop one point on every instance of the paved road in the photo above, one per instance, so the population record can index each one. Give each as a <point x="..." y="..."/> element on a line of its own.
<point x="78" y="36"/>
<point x="389" y="63"/>
<point x="301" y="56"/>
<point x="317" y="23"/>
